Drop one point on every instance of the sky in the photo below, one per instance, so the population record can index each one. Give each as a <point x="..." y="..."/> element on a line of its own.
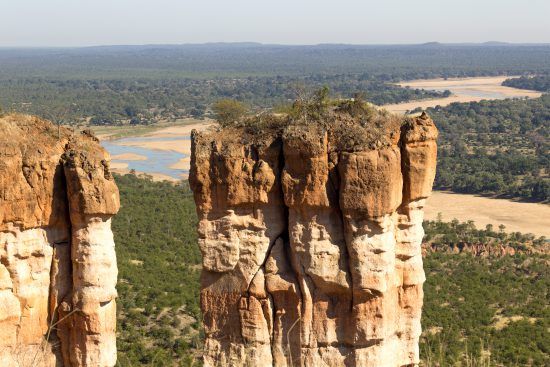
<point x="115" y="22"/>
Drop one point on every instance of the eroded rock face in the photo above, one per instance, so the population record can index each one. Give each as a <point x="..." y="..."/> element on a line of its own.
<point x="311" y="251"/>
<point x="57" y="261"/>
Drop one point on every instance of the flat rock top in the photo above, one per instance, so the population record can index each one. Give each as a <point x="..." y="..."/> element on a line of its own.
<point x="33" y="153"/>
<point x="16" y="129"/>
<point x="348" y="128"/>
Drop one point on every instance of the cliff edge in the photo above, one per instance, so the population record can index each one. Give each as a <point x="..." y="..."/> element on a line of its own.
<point x="310" y="232"/>
<point x="57" y="258"/>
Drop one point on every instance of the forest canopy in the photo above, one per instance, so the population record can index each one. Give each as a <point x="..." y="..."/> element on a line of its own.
<point x="465" y="296"/>
<point x="145" y="84"/>
<point x="499" y="147"/>
<point x="540" y="83"/>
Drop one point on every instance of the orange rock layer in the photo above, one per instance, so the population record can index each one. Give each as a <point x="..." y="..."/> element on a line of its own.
<point x="311" y="252"/>
<point x="57" y="260"/>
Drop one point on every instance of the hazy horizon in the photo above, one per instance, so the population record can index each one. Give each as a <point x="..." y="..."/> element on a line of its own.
<point x="66" y="23"/>
<point x="481" y="43"/>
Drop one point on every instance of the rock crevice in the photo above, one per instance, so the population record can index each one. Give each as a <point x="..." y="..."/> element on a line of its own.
<point x="57" y="261"/>
<point x="311" y="245"/>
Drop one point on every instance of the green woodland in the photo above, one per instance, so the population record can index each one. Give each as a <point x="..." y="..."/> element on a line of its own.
<point x="499" y="147"/>
<point x="145" y="84"/>
<point x="465" y="297"/>
<point x="539" y="82"/>
<point x="143" y="101"/>
<point x="158" y="261"/>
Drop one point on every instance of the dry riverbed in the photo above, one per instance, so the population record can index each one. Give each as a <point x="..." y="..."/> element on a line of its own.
<point x="516" y="216"/>
<point x="463" y="90"/>
<point x="155" y="139"/>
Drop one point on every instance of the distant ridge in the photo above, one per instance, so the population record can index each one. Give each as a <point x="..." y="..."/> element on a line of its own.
<point x="431" y="44"/>
<point x="496" y="43"/>
<point x="260" y="45"/>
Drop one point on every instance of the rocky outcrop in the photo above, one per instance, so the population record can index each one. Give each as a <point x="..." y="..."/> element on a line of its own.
<point x="57" y="261"/>
<point x="311" y="240"/>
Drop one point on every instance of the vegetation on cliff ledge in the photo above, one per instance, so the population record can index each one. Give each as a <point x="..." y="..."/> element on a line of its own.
<point x="351" y="124"/>
<point x="498" y="147"/>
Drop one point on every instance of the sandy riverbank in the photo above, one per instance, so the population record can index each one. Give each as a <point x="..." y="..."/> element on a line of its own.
<point x="127" y="131"/>
<point x="129" y="157"/>
<point x="182" y="145"/>
<point x="185" y="130"/>
<point x="463" y="90"/>
<point x="516" y="216"/>
<point x="182" y="164"/>
<point x="116" y="168"/>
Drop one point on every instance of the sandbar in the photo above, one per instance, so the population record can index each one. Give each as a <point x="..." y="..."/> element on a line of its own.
<point x="516" y="216"/>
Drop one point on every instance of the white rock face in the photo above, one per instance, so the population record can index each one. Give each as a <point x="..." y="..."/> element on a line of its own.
<point x="26" y="260"/>
<point x="94" y="293"/>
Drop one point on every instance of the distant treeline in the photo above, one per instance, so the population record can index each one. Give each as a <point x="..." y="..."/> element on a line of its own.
<point x="144" y="84"/>
<point x="495" y="147"/>
<point x="447" y="234"/>
<point x="143" y="101"/>
<point x="389" y="62"/>
<point x="540" y="83"/>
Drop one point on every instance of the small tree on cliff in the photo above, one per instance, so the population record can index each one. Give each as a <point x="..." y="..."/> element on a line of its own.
<point x="228" y="111"/>
<point x="310" y="106"/>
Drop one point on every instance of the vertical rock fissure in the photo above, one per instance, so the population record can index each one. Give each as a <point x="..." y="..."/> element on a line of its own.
<point x="346" y="235"/>
<point x="61" y="278"/>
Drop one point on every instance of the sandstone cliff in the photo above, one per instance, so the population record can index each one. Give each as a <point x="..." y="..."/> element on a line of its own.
<point x="57" y="260"/>
<point x="311" y="239"/>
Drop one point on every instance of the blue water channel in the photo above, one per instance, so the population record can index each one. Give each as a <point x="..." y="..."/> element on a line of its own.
<point x="158" y="161"/>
